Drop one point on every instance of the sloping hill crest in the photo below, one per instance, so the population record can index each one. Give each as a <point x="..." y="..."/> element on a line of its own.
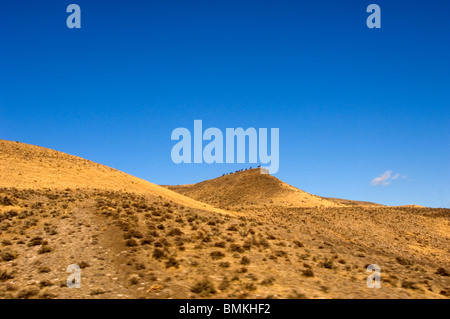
<point x="27" y="166"/>
<point x="250" y="188"/>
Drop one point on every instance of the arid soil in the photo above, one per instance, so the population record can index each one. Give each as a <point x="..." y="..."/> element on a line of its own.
<point x="244" y="235"/>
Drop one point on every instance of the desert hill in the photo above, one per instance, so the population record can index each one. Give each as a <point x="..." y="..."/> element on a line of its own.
<point x="411" y="206"/>
<point x="349" y="202"/>
<point x="134" y="239"/>
<point x="27" y="166"/>
<point x="250" y="188"/>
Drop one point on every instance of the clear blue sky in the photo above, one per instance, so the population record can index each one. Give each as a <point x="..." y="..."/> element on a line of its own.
<point x="351" y="102"/>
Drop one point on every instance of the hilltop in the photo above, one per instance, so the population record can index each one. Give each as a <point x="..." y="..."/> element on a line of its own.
<point x="250" y="188"/>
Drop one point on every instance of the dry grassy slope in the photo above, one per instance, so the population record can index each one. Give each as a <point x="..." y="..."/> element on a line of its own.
<point x="27" y="166"/>
<point x="250" y="189"/>
<point x="149" y="242"/>
<point x="349" y="202"/>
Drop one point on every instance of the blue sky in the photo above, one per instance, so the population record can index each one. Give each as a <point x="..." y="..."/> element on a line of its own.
<point x="351" y="102"/>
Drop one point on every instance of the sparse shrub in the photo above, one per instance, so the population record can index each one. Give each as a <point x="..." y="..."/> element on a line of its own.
<point x="224" y="264"/>
<point x="409" y="285"/>
<point x="242" y="270"/>
<point x="443" y="272"/>
<point x="133" y="280"/>
<point x="158" y="253"/>
<point x="250" y="286"/>
<point x="297" y="295"/>
<point x="215" y="255"/>
<point x="44" y="249"/>
<point x="252" y="277"/>
<point x="146" y="241"/>
<point x="175" y="232"/>
<point x="37" y="205"/>
<point x="9" y="215"/>
<point x="6" y="201"/>
<point x="139" y="266"/>
<point x="127" y="235"/>
<point x="327" y="263"/>
<point x="303" y="256"/>
<point x="232" y="228"/>
<point x="158" y="244"/>
<point x="47" y="294"/>
<point x="263" y="242"/>
<point x="42" y="270"/>
<point x="10" y="286"/>
<point x="27" y="293"/>
<point x="24" y="214"/>
<point x="220" y="244"/>
<point x="131" y="242"/>
<point x="35" y="241"/>
<point x="298" y="244"/>
<point x="281" y="244"/>
<point x="204" y="288"/>
<point x="6" y="274"/>
<point x="445" y="292"/>
<point x="97" y="291"/>
<point x="403" y="261"/>
<point x="224" y="284"/>
<point x="247" y="244"/>
<point x="45" y="283"/>
<point x="206" y="239"/>
<point x="268" y="281"/>
<point x="8" y="255"/>
<point x="280" y="253"/>
<point x="190" y="219"/>
<point x="5" y="225"/>
<point x="236" y="248"/>
<point x="6" y="242"/>
<point x="172" y="262"/>
<point x="136" y="233"/>
<point x="308" y="273"/>
<point x="245" y="260"/>
<point x="162" y="243"/>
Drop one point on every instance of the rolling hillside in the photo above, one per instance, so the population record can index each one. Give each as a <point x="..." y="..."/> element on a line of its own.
<point x="250" y="189"/>
<point x="265" y="239"/>
<point x="27" y="166"/>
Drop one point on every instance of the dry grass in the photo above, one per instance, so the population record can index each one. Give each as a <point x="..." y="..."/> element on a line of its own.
<point x="250" y="188"/>
<point x="147" y="245"/>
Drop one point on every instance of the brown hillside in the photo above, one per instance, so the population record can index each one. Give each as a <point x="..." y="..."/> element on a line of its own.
<point x="27" y="166"/>
<point x="349" y="202"/>
<point x="134" y="239"/>
<point x="250" y="189"/>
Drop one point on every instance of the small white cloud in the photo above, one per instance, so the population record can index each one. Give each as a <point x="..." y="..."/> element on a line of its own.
<point x="386" y="178"/>
<point x="383" y="179"/>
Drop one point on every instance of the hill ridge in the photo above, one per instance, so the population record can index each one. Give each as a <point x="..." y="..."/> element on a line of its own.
<point x="250" y="188"/>
<point x="26" y="166"/>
